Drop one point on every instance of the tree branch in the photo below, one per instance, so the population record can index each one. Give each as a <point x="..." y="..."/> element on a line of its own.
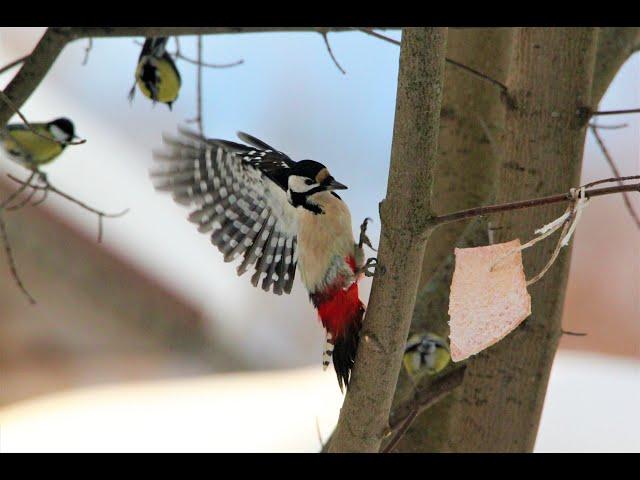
<point x="535" y="202"/>
<point x="365" y="413"/>
<point x="616" y="112"/>
<point x="616" y="172"/>
<point x="35" y="67"/>
<point x="15" y="63"/>
<point x="615" y="46"/>
<point x="424" y="397"/>
<point x="473" y="71"/>
<point x="37" y="63"/>
<point x="4" y="238"/>
<point x="323" y="32"/>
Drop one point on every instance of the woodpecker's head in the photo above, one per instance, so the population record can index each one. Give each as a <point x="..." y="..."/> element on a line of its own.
<point x="308" y="181"/>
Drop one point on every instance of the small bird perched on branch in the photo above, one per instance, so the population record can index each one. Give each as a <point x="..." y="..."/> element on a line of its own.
<point x="157" y="76"/>
<point x="425" y="354"/>
<point x="37" y="143"/>
<point x="279" y="215"/>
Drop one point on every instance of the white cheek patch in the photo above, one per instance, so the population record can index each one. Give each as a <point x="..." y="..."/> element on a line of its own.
<point x="58" y="133"/>
<point x="297" y="184"/>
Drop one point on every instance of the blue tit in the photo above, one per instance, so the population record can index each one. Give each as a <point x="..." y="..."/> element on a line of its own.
<point x="157" y="76"/>
<point x="425" y="354"/>
<point x="34" y="149"/>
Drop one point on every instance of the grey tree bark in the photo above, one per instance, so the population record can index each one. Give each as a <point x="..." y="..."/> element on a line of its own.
<point x="464" y="177"/>
<point x="499" y="406"/>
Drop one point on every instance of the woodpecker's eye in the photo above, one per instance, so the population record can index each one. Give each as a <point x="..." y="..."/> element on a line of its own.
<point x="308" y="181"/>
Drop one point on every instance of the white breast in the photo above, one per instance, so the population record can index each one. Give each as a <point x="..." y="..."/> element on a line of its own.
<point x="324" y="242"/>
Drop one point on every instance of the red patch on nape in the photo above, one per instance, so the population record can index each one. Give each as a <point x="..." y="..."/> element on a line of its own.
<point x="341" y="309"/>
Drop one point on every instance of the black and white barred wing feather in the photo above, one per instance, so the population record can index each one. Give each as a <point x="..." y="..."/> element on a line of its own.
<point x="240" y="199"/>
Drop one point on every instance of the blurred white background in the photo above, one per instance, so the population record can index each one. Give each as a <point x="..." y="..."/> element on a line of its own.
<point x="289" y="93"/>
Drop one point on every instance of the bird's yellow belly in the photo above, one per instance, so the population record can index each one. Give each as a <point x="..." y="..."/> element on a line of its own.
<point x="31" y="147"/>
<point x="168" y="86"/>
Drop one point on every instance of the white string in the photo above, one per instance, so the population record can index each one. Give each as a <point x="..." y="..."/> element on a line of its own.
<point x="580" y="204"/>
<point x="569" y="220"/>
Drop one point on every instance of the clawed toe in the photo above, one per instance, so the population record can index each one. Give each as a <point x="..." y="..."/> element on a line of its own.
<point x="364" y="239"/>
<point x="372" y="268"/>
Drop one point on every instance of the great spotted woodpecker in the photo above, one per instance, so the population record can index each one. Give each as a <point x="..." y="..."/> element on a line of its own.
<point x="279" y="215"/>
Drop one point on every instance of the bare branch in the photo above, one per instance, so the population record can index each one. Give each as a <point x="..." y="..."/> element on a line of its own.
<point x="178" y="55"/>
<point x="323" y="32"/>
<point x="198" y="119"/>
<point x="48" y="187"/>
<point x="102" y="32"/>
<point x="181" y="56"/>
<point x="609" y="127"/>
<point x="15" y="63"/>
<point x="4" y="237"/>
<point x="87" y="51"/>
<point x="424" y="396"/>
<point x="33" y="70"/>
<point x="573" y="334"/>
<point x="37" y="64"/>
<point x="500" y="85"/>
<point x="616" y="112"/>
<point x="505" y="207"/>
<point x="615" y="46"/>
<point x="616" y="172"/>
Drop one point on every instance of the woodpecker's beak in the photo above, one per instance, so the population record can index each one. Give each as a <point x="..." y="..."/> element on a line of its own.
<point x="332" y="184"/>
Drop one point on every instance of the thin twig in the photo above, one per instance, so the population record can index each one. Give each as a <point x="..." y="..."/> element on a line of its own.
<point x="616" y="112"/>
<point x="473" y="71"/>
<point x="478" y="74"/>
<point x="87" y="51"/>
<point x="198" y="118"/>
<point x="179" y="55"/>
<point x="205" y="64"/>
<point x="48" y="187"/>
<point x="373" y="33"/>
<point x="611" y="180"/>
<point x="319" y="434"/>
<point x="616" y="172"/>
<point x="21" y="189"/>
<point x="323" y="32"/>
<point x="505" y="207"/>
<point x="402" y="429"/>
<point x="424" y="396"/>
<point x="10" y="260"/>
<point x="609" y="127"/>
<point x="11" y="105"/>
<point x="15" y="63"/>
<point x="574" y="334"/>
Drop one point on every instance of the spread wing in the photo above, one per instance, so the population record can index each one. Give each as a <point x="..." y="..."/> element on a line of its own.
<point x="240" y="199"/>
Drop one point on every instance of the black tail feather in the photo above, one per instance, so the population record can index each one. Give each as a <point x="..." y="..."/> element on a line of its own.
<point x="345" y="347"/>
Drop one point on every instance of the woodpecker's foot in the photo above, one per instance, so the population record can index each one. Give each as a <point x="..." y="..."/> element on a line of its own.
<point x="371" y="268"/>
<point x="364" y="239"/>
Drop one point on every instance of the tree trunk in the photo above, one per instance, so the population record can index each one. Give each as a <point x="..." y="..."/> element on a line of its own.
<point x="466" y="168"/>
<point x="365" y="413"/>
<point x="465" y="177"/>
<point x="549" y="83"/>
<point x="615" y="46"/>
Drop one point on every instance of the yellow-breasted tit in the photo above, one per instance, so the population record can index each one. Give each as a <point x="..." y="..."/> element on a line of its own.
<point x="425" y="354"/>
<point x="157" y="76"/>
<point x="32" y="149"/>
<point x="280" y="216"/>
